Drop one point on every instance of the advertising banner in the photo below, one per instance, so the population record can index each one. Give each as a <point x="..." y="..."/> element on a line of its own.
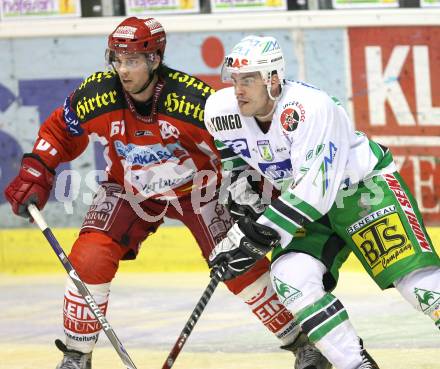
<point x="344" y="4"/>
<point x="388" y="80"/>
<point x="430" y="3"/>
<point x="218" y="6"/>
<point x="19" y="9"/>
<point x="396" y="101"/>
<point x="151" y="7"/>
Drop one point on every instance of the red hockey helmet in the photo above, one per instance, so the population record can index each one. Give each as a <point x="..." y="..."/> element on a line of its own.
<point x="135" y="35"/>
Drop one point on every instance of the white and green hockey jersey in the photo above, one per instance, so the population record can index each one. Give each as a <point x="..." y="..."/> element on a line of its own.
<point x="310" y="152"/>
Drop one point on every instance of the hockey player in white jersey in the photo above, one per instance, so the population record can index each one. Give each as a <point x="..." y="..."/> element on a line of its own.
<point x="339" y="192"/>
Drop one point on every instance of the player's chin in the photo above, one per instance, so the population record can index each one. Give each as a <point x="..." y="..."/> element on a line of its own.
<point x="245" y="109"/>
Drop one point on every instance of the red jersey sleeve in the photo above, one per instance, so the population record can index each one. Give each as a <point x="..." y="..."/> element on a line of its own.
<point x="55" y="144"/>
<point x="64" y="135"/>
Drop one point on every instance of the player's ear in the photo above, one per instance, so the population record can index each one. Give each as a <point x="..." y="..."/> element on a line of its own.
<point x="275" y="85"/>
<point x="275" y="79"/>
<point x="155" y="60"/>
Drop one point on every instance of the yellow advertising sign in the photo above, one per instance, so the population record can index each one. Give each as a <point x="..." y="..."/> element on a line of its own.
<point x="15" y="9"/>
<point x="144" y="7"/>
<point x="383" y="242"/>
<point x="247" y="5"/>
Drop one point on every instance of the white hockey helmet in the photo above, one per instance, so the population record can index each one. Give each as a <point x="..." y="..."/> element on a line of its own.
<point x="255" y="54"/>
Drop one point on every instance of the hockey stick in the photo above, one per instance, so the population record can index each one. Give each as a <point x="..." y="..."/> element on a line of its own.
<point x="82" y="288"/>
<point x="197" y="312"/>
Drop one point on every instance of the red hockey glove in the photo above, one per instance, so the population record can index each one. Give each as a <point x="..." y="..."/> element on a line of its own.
<point x="31" y="186"/>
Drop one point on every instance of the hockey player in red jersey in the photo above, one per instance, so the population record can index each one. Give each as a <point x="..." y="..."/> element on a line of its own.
<point x="150" y="119"/>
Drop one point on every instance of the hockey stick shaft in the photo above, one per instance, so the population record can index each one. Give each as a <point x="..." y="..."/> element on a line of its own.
<point x="82" y="288"/>
<point x="197" y="312"/>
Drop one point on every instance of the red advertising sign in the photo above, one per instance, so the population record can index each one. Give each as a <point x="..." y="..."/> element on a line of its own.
<point x="396" y="101"/>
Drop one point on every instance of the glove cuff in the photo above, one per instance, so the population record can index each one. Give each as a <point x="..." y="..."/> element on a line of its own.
<point x="34" y="170"/>
<point x="38" y="158"/>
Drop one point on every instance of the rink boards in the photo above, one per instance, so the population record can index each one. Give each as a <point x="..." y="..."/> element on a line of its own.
<point x="170" y="249"/>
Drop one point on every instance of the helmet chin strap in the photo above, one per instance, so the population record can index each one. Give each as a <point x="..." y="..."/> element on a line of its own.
<point x="151" y="74"/>
<point x="275" y="100"/>
<point x="268" y="116"/>
<point x="269" y="92"/>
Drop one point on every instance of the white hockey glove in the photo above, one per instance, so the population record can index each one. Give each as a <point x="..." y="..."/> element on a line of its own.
<point x="245" y="243"/>
<point x="243" y="200"/>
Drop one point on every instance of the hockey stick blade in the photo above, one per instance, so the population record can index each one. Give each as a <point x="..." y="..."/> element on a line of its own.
<point x="82" y="288"/>
<point x="197" y="312"/>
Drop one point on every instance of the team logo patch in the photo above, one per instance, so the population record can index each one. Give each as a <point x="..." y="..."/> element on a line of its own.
<point x="286" y="293"/>
<point x="289" y="119"/>
<point x="429" y="301"/>
<point x="382" y="242"/>
<point x="265" y="150"/>
<point x="167" y="130"/>
<point x="293" y="113"/>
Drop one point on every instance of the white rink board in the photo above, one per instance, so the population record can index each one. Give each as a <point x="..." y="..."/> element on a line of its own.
<point x="230" y="22"/>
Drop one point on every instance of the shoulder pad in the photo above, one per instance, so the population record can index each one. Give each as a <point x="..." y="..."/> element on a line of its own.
<point x="98" y="94"/>
<point x="222" y="113"/>
<point x="184" y="97"/>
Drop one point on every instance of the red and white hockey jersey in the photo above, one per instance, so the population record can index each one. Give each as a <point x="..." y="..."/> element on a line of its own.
<point x="158" y="155"/>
